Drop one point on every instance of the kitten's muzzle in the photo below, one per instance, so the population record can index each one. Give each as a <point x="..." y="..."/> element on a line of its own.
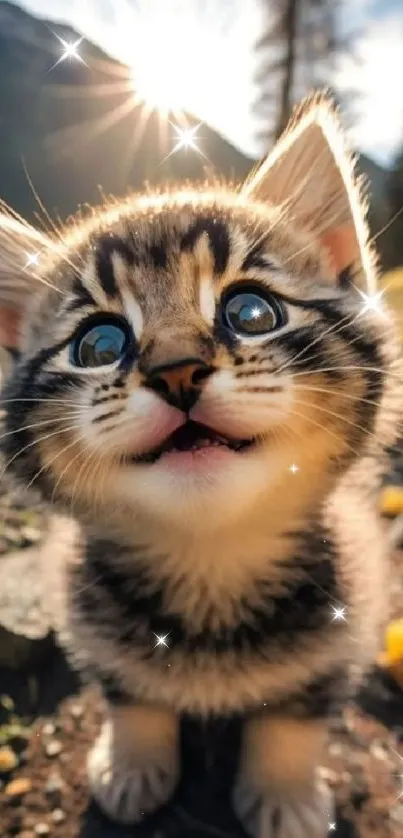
<point x="180" y="383"/>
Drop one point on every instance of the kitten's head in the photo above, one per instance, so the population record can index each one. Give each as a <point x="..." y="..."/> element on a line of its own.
<point x="179" y="353"/>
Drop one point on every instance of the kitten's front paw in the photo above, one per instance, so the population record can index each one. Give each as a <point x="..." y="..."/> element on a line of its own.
<point x="123" y="788"/>
<point x="267" y="816"/>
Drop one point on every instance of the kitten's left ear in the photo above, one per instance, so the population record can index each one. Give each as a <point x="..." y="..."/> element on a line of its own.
<point x="311" y="172"/>
<point x="20" y="248"/>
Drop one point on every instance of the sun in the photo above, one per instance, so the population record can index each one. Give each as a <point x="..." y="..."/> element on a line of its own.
<point x="161" y="75"/>
<point x="176" y="58"/>
<point x="164" y="67"/>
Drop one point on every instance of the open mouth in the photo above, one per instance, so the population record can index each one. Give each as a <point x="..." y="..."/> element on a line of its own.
<point x="192" y="437"/>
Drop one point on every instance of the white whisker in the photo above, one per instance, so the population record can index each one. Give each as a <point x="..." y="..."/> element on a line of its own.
<point x="36" y="442"/>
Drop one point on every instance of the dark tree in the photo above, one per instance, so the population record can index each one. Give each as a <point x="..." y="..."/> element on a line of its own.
<point x="299" y="47"/>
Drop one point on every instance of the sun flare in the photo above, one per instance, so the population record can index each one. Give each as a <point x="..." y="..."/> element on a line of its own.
<point x="183" y="55"/>
<point x="176" y="59"/>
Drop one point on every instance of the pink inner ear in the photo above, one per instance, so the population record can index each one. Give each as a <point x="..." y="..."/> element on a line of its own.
<point x="341" y="244"/>
<point x="9" y="328"/>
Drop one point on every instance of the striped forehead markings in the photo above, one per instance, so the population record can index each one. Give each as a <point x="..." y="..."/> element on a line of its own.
<point x="106" y="247"/>
<point x="217" y="236"/>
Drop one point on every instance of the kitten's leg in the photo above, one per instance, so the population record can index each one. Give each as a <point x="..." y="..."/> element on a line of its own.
<point x="133" y="765"/>
<point x="277" y="794"/>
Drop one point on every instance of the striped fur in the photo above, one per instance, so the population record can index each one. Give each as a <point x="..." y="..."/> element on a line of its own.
<point x="238" y="570"/>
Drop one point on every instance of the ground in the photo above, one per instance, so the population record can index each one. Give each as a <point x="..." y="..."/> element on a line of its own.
<point x="47" y="723"/>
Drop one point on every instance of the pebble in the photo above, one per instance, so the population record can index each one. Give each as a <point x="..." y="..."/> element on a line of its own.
<point x="53" y="748"/>
<point x="58" y="816"/>
<point x="42" y="829"/>
<point x="8" y="760"/>
<point x="77" y="711"/>
<point x="54" y="787"/>
<point x="18" y="787"/>
<point x="48" y="729"/>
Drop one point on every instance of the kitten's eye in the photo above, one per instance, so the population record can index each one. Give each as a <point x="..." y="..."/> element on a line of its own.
<point x="252" y="313"/>
<point x="100" y="345"/>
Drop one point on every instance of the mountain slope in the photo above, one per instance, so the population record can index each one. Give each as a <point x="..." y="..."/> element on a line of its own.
<point x="54" y="123"/>
<point x="57" y="130"/>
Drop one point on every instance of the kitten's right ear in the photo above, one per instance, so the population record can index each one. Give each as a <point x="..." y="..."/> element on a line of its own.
<point x="21" y="247"/>
<point x="310" y="173"/>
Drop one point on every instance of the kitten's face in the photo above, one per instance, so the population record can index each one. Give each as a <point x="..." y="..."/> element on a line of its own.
<point x="198" y="349"/>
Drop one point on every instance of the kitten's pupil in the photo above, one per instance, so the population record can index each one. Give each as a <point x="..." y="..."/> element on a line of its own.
<point x="252" y="314"/>
<point x="101" y="345"/>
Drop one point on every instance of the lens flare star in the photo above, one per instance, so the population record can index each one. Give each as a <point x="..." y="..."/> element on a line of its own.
<point x="372" y="302"/>
<point x="338" y="612"/>
<point x="32" y="259"/>
<point x="186" y="138"/>
<point x="161" y="640"/>
<point x="69" y="51"/>
<point x="331" y="827"/>
<point x="293" y="468"/>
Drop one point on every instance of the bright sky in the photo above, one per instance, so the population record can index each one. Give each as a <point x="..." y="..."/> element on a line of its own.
<point x="203" y="49"/>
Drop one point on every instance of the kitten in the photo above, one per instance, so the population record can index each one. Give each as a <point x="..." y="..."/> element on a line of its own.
<point x="202" y="384"/>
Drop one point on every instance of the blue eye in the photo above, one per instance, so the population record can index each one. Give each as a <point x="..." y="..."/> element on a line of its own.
<point x="101" y="345"/>
<point x="252" y="313"/>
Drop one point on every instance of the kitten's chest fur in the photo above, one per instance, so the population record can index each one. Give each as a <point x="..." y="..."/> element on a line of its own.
<point x="213" y="623"/>
<point x="207" y="582"/>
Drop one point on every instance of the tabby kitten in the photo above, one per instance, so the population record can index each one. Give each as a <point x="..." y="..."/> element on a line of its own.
<point x="201" y="384"/>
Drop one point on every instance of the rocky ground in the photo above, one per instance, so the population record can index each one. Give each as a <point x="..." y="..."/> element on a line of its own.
<point x="47" y="723"/>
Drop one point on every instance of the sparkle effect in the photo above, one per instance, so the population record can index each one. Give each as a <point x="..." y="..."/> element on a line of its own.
<point x="331" y="827"/>
<point x="256" y="312"/>
<point x="32" y="259"/>
<point x="372" y="302"/>
<point x="69" y="51"/>
<point x="339" y="612"/>
<point x="187" y="138"/>
<point x="161" y="640"/>
<point x="293" y="468"/>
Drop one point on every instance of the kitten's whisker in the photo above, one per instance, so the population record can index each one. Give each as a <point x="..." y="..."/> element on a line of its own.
<point x="38" y="425"/>
<point x="36" y="442"/>
<point x="61" y="475"/>
<point x="89" y="459"/>
<point x="48" y="463"/>
<point x="346" y="368"/>
<point x="335" y="392"/>
<point x="100" y="483"/>
<point x="333" y="329"/>
<point x="327" y="430"/>
<point x="338" y="416"/>
<point x="50" y="400"/>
